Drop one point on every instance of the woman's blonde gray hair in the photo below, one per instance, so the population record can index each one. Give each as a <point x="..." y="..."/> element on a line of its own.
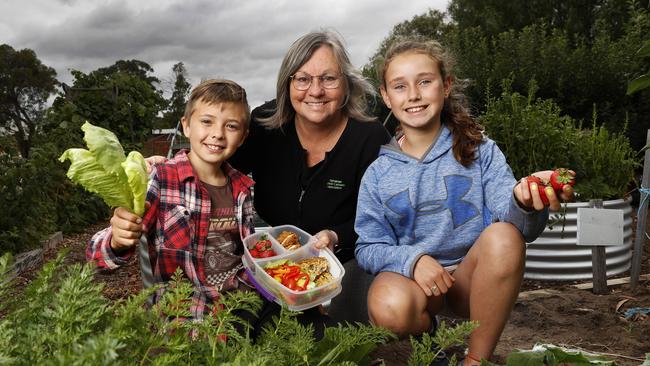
<point x="357" y="88"/>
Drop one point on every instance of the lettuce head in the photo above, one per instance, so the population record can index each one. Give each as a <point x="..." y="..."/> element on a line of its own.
<point x="121" y="181"/>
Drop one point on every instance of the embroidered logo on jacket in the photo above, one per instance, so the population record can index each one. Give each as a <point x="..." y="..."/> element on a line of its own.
<point x="461" y="210"/>
<point x="335" y="184"/>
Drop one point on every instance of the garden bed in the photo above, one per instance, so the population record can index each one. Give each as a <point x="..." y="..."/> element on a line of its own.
<point x="546" y="312"/>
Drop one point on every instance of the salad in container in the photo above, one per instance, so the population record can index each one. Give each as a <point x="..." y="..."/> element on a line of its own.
<point x="285" y="266"/>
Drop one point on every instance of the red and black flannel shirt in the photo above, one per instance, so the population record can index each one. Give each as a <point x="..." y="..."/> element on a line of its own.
<point x="176" y="226"/>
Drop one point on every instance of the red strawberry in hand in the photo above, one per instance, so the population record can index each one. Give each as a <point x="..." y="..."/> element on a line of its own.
<point x="540" y="187"/>
<point x="561" y="177"/>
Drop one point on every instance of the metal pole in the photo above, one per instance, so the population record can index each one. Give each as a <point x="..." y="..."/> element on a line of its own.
<point x="170" y="152"/>
<point x="639" y="240"/>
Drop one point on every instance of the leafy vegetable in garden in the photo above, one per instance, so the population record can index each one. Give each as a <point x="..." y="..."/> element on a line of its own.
<point x="121" y="181"/>
<point x="550" y="355"/>
<point x="62" y="318"/>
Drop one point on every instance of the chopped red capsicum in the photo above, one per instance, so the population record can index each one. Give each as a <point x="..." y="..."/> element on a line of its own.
<point x="290" y="276"/>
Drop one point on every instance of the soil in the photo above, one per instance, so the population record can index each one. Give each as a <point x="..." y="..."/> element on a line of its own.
<point x="546" y="312"/>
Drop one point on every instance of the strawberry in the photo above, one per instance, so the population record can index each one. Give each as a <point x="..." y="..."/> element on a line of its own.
<point x="560" y="177"/>
<point x="263" y="244"/>
<point x="541" y="185"/>
<point x="262" y="248"/>
<point x="267" y="253"/>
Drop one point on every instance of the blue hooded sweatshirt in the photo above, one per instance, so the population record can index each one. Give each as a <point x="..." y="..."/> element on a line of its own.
<point x="434" y="206"/>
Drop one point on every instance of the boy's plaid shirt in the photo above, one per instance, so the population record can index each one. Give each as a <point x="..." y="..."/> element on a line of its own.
<point x="177" y="224"/>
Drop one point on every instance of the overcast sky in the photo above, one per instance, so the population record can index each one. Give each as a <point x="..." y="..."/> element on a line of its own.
<point x="239" y="40"/>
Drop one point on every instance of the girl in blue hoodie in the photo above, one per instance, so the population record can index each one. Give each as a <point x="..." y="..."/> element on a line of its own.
<point x="441" y="219"/>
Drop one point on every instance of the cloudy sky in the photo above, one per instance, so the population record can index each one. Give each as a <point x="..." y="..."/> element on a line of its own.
<point x="240" y="40"/>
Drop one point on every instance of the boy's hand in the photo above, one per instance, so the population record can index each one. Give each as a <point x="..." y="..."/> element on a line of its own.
<point x="126" y="228"/>
<point x="155" y="159"/>
<point x="528" y="194"/>
<point x="326" y="239"/>
<point x="432" y="278"/>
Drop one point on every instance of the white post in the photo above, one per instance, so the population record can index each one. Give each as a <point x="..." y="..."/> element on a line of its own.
<point x="598" y="260"/>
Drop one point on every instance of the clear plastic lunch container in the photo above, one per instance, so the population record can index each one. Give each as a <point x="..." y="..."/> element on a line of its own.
<point x="274" y="290"/>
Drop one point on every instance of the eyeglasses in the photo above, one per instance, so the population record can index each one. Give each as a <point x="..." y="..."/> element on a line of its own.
<point x="302" y="80"/>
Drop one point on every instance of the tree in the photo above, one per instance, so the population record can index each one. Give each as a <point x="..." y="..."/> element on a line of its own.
<point x="577" y="18"/>
<point x="178" y="99"/>
<point x="136" y="68"/>
<point x="643" y="81"/>
<point x="25" y="86"/>
<point x="122" y="98"/>
<point x="581" y="54"/>
<point x="579" y="74"/>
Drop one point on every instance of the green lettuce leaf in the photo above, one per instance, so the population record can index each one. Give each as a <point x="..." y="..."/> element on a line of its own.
<point x="550" y="355"/>
<point x="136" y="172"/>
<point x="86" y="171"/>
<point x="104" y="169"/>
<point x="105" y="147"/>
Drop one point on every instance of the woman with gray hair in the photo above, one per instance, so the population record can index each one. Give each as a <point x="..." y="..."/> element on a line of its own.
<point x="308" y="149"/>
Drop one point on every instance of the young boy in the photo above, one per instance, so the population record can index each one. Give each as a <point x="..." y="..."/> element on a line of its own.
<point x="199" y="207"/>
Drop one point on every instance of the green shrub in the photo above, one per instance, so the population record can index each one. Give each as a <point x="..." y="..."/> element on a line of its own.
<point x="26" y="206"/>
<point x="38" y="199"/>
<point x="607" y="163"/>
<point x="534" y="135"/>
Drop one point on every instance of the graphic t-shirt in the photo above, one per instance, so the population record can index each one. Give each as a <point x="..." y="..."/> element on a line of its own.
<point x="224" y="248"/>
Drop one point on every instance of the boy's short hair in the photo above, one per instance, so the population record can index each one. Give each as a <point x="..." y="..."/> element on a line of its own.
<point x="214" y="91"/>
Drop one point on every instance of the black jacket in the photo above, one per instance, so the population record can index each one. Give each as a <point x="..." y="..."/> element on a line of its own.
<point x="276" y="160"/>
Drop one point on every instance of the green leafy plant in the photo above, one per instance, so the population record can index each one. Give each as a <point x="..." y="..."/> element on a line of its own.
<point x="104" y="169"/>
<point x="642" y="81"/>
<point x="534" y="135"/>
<point x="36" y="197"/>
<point x="550" y="355"/>
<point x="428" y="348"/>
<point x="62" y="318"/>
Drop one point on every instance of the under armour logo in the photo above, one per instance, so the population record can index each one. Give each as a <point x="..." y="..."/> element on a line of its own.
<point x="462" y="211"/>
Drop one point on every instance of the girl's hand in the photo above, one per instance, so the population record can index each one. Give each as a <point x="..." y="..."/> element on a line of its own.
<point x="432" y="278"/>
<point x="126" y="228"/>
<point x="155" y="159"/>
<point x="326" y="239"/>
<point x="528" y="195"/>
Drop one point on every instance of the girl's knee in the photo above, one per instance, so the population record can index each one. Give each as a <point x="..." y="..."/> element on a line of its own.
<point x="503" y="236"/>
<point x="391" y="307"/>
<point x="503" y="243"/>
<point x="386" y="302"/>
